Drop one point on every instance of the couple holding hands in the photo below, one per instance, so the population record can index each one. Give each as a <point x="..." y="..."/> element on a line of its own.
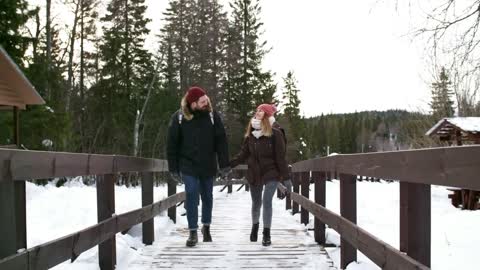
<point x="197" y="141"/>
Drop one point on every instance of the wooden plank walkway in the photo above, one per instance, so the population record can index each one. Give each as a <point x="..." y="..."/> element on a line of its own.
<point x="292" y="246"/>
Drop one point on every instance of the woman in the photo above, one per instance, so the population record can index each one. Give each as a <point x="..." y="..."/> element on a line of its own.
<point x="264" y="152"/>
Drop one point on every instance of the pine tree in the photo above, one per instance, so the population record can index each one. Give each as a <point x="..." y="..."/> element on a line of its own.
<point x="176" y="35"/>
<point x="14" y="15"/>
<point x="49" y="121"/>
<point x="442" y="103"/>
<point x="88" y="72"/>
<point x="291" y="110"/>
<point x="126" y="72"/>
<point x="207" y="46"/>
<point x="248" y="85"/>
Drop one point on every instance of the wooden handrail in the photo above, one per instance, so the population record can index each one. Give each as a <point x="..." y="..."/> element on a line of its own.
<point x="416" y="170"/>
<point x="27" y="165"/>
<point x="48" y="255"/>
<point x="445" y="166"/>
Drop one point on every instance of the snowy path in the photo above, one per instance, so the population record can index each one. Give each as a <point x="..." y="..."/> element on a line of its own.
<point x="292" y="246"/>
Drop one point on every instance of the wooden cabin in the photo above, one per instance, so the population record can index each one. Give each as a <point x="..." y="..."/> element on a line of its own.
<point x="459" y="131"/>
<point x="16" y="92"/>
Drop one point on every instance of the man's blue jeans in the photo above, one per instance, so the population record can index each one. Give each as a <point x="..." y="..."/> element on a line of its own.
<point x="193" y="187"/>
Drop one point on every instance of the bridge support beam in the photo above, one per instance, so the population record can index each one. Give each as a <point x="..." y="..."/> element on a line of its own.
<point x="107" y="251"/>
<point x="305" y="189"/>
<point x="148" y="234"/>
<point x="348" y="210"/>
<point x="320" y="192"/>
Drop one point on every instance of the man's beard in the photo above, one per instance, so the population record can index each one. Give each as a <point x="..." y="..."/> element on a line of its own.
<point x="202" y="109"/>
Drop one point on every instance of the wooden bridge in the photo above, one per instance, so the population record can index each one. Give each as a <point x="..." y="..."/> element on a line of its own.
<point x="231" y="247"/>
<point x="416" y="170"/>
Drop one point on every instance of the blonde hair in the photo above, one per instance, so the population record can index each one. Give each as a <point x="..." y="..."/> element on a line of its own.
<point x="266" y="127"/>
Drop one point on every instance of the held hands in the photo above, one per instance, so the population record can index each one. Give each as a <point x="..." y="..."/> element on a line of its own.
<point x="225" y="173"/>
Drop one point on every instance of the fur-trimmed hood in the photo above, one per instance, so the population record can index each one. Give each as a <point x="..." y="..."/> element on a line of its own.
<point x="187" y="113"/>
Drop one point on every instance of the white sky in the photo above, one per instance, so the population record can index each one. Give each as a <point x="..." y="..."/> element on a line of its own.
<point x="347" y="55"/>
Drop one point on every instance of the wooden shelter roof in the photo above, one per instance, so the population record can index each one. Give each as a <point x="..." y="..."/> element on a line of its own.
<point x="15" y="89"/>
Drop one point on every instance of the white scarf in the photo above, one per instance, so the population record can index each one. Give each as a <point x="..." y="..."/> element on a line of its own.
<point x="257" y="126"/>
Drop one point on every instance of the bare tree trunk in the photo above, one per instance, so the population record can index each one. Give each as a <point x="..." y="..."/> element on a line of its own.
<point x="127" y="50"/>
<point x="49" y="49"/>
<point x="37" y="35"/>
<point x="140" y="114"/>
<point x="243" y="118"/>
<point x="70" y="59"/>
<point x="82" y="76"/>
<point x="135" y="133"/>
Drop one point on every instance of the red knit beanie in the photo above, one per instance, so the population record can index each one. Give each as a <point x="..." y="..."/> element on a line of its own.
<point x="194" y="93"/>
<point x="269" y="109"/>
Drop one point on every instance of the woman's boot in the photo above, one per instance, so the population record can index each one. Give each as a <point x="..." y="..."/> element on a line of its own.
<point x="266" y="237"/>
<point x="254" y="233"/>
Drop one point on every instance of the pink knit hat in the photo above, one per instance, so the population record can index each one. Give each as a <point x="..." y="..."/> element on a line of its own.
<point x="269" y="109"/>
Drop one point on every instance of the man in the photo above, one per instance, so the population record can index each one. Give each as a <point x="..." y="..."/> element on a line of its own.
<point x="196" y="136"/>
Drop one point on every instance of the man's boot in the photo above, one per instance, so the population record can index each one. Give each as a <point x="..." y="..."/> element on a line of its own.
<point x="206" y="233"/>
<point x="192" y="239"/>
<point x="254" y="233"/>
<point x="266" y="237"/>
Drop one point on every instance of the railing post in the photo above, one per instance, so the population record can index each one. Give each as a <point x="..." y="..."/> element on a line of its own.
<point x="242" y="174"/>
<point x="288" y="202"/>
<point x="348" y="210"/>
<point x="320" y="192"/>
<point x="296" y="188"/>
<point x="148" y="234"/>
<point x="419" y="222"/>
<point x="21" y="214"/>
<point x="105" y="209"/>
<point x="404" y="217"/>
<point x="9" y="218"/>
<point x="172" y="190"/>
<point x="305" y="184"/>
<point x="230" y="188"/>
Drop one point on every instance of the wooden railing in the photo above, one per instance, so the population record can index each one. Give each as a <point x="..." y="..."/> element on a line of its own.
<point x="16" y="166"/>
<point x="416" y="170"/>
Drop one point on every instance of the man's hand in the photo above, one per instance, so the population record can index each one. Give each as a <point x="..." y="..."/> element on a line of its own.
<point x="225" y="172"/>
<point x="176" y="177"/>
<point x="285" y="188"/>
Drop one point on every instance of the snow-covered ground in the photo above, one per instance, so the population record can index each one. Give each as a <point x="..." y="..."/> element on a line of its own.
<point x="54" y="212"/>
